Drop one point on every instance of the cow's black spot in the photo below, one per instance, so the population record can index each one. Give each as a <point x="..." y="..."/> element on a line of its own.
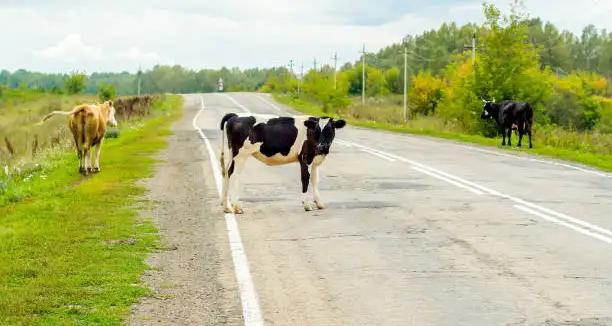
<point x="238" y="129"/>
<point x="277" y="136"/>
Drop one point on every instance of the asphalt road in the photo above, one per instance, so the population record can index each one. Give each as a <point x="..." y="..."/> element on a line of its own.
<point x="417" y="231"/>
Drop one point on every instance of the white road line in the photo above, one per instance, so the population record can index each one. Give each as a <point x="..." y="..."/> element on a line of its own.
<point x="250" y="304"/>
<point x="587" y="227"/>
<point x="237" y="103"/>
<point x="518" y="157"/>
<point x="379" y="155"/>
<point x="272" y="105"/>
<point x="437" y="176"/>
<point x="563" y="223"/>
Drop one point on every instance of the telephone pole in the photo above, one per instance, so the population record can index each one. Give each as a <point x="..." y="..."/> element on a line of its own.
<point x="314" y="63"/>
<point x="405" y="81"/>
<point x="473" y="47"/>
<point x="291" y="64"/>
<point x="363" y="53"/>
<point x="300" y="78"/>
<point x="335" y="58"/>
<point x="139" y="78"/>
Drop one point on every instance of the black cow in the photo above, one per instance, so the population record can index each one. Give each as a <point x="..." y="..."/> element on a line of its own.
<point x="509" y="114"/>
<point x="275" y="140"/>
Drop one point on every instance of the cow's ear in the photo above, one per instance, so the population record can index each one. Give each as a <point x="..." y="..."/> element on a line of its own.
<point x="310" y="124"/>
<point x="339" y="124"/>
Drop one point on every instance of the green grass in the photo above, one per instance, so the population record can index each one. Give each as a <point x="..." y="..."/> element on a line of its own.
<point x="72" y="248"/>
<point x="556" y="143"/>
<point x="20" y="112"/>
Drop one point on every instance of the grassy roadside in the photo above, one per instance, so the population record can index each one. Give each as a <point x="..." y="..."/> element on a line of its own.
<point x="601" y="161"/>
<point x="72" y="248"/>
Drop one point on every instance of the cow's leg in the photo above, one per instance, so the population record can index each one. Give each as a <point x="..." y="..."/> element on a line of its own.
<point x="314" y="179"/>
<point x="305" y="179"/>
<point x="97" y="161"/>
<point x="503" y="137"/>
<point x="86" y="158"/>
<point x="529" y="134"/>
<point x="521" y="131"/>
<point x="509" y="136"/>
<point x="232" y="193"/>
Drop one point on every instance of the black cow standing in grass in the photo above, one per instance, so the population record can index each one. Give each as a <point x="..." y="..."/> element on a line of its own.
<point x="507" y="114"/>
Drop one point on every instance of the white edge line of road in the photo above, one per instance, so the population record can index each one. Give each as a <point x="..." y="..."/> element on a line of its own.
<point x="248" y="297"/>
<point x="518" y="157"/>
<point x="589" y="228"/>
<point x="575" y="223"/>
<point x="563" y="223"/>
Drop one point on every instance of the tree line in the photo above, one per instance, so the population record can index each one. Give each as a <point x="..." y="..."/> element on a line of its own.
<point x="564" y="76"/>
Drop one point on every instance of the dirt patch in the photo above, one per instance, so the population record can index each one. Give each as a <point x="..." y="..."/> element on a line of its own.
<point x="191" y="277"/>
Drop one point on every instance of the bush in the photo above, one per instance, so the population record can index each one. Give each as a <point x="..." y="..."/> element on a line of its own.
<point x="75" y="83"/>
<point x="106" y="92"/>
<point x="425" y="93"/>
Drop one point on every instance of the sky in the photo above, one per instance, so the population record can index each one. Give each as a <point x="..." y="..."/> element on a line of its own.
<point x="112" y="35"/>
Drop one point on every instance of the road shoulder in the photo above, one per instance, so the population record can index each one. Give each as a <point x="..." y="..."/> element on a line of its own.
<point x="191" y="278"/>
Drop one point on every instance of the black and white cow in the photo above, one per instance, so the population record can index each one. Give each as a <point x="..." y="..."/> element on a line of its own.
<point x="510" y="115"/>
<point x="274" y="141"/>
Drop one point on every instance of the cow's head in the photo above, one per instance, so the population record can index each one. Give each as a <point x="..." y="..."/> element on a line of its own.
<point x="322" y="131"/>
<point x="111" y="120"/>
<point x="489" y="110"/>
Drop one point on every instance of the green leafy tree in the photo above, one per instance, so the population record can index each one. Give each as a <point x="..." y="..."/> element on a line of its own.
<point x="106" y="92"/>
<point x="75" y="83"/>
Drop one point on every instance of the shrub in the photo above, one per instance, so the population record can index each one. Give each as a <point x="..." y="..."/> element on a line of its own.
<point x="425" y="93"/>
<point x="106" y="92"/>
<point x="75" y="83"/>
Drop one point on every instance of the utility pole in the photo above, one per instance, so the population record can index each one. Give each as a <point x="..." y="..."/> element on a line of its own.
<point x="301" y="76"/>
<point x="405" y="81"/>
<point x="314" y="62"/>
<point x="291" y="64"/>
<point x="363" y="53"/>
<point x="473" y="47"/>
<point x="139" y="79"/>
<point x="335" y="58"/>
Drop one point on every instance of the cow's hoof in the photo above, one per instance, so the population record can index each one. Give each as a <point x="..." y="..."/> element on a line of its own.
<point x="95" y="170"/>
<point x="81" y="169"/>
<point x="228" y="209"/>
<point x="307" y="207"/>
<point x="238" y="209"/>
<point x="320" y="205"/>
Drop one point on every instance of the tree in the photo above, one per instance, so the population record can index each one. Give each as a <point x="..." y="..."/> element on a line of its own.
<point x="425" y="93"/>
<point x="106" y="92"/>
<point x="75" y="83"/>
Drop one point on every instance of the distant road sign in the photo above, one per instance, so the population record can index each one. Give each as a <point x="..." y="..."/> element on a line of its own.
<point x="220" y="85"/>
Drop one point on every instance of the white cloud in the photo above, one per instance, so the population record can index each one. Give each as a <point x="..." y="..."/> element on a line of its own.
<point x="137" y="55"/>
<point x="72" y="49"/>
<point x="116" y="35"/>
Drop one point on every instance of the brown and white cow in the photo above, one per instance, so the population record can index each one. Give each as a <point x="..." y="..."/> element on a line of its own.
<point x="274" y="141"/>
<point x="87" y="122"/>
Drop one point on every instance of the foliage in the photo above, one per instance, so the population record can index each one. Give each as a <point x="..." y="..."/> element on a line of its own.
<point x="425" y="93"/>
<point x="75" y="83"/>
<point x="106" y="92"/>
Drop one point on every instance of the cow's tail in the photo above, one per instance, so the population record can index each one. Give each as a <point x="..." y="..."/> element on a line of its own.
<point x="222" y="144"/>
<point x="48" y="116"/>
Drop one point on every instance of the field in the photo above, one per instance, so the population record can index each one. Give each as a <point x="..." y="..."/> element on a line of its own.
<point x="590" y="148"/>
<point x="21" y="138"/>
<point x="72" y="248"/>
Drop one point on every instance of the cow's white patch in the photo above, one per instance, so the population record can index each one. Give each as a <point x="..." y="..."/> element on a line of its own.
<point x="323" y="123"/>
<point x="486" y="113"/>
<point x="318" y="159"/>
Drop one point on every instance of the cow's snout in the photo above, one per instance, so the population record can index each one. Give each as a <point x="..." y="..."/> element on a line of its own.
<point x="323" y="149"/>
